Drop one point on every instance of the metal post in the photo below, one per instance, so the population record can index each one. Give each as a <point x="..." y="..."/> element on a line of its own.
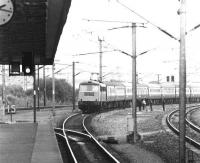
<point x="73" y="77"/>
<point x="38" y="85"/>
<point x="10" y="115"/>
<point x="182" y="83"/>
<point x="134" y="87"/>
<point x="44" y="80"/>
<point x="53" y="89"/>
<point x="34" y="97"/>
<point x="100" y="59"/>
<point x="25" y="88"/>
<point x="175" y="95"/>
<point x="158" y="79"/>
<point x="3" y="83"/>
<point x="2" y="86"/>
<point x="3" y="89"/>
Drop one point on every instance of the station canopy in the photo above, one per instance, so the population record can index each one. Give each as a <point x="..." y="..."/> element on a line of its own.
<point x="34" y="29"/>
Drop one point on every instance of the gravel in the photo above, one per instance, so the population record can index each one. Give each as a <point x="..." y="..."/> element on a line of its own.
<point x="115" y="124"/>
<point x="158" y="144"/>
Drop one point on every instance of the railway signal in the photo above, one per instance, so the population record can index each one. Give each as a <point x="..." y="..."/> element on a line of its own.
<point x="28" y="66"/>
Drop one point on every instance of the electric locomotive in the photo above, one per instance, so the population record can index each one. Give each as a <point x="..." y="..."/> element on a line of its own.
<point x="95" y="96"/>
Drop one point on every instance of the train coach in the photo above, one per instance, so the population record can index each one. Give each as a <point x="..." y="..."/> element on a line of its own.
<point x="95" y="96"/>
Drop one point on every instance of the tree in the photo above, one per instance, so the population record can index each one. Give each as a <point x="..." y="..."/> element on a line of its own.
<point x="15" y="90"/>
<point x="63" y="90"/>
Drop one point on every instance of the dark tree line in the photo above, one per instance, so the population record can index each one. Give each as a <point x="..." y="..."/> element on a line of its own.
<point x="63" y="91"/>
<point x="14" y="90"/>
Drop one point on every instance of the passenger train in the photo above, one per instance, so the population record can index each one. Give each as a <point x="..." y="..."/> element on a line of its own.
<point x="95" y="96"/>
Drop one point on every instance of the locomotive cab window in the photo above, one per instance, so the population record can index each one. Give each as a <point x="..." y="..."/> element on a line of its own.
<point x="103" y="89"/>
<point x="88" y="88"/>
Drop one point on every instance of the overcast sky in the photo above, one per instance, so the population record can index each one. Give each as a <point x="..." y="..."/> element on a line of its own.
<point x="81" y="36"/>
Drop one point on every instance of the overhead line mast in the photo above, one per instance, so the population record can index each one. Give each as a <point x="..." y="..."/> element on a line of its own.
<point x="100" y="59"/>
<point x="182" y="82"/>
<point x="134" y="87"/>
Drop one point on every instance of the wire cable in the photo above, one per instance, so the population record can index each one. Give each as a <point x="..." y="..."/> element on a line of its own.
<point x="162" y="30"/>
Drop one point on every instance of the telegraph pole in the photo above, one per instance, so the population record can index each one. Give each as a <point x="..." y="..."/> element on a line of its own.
<point x="182" y="82"/>
<point x="100" y="59"/>
<point x="73" y="77"/>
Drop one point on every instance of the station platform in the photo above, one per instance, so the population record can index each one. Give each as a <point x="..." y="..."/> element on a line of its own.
<point x="27" y="142"/>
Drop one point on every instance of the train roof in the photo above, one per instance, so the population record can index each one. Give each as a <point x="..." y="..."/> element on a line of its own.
<point x="129" y="84"/>
<point x="142" y="85"/>
<point x="194" y="84"/>
<point x="154" y="85"/>
<point x="169" y="84"/>
<point x="177" y="85"/>
<point x="92" y="82"/>
<point x="114" y="83"/>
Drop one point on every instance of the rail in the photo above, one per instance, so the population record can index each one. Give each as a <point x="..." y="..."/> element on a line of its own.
<point x="105" y="150"/>
<point x="87" y="135"/>
<point x="43" y="107"/>
<point x="175" y="130"/>
<point x="66" y="138"/>
<point x="192" y="125"/>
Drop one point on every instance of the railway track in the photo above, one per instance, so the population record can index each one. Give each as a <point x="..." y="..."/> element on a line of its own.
<point x="192" y="131"/>
<point x="79" y="144"/>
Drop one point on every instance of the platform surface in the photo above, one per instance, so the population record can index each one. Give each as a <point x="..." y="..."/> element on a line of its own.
<point x="27" y="142"/>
